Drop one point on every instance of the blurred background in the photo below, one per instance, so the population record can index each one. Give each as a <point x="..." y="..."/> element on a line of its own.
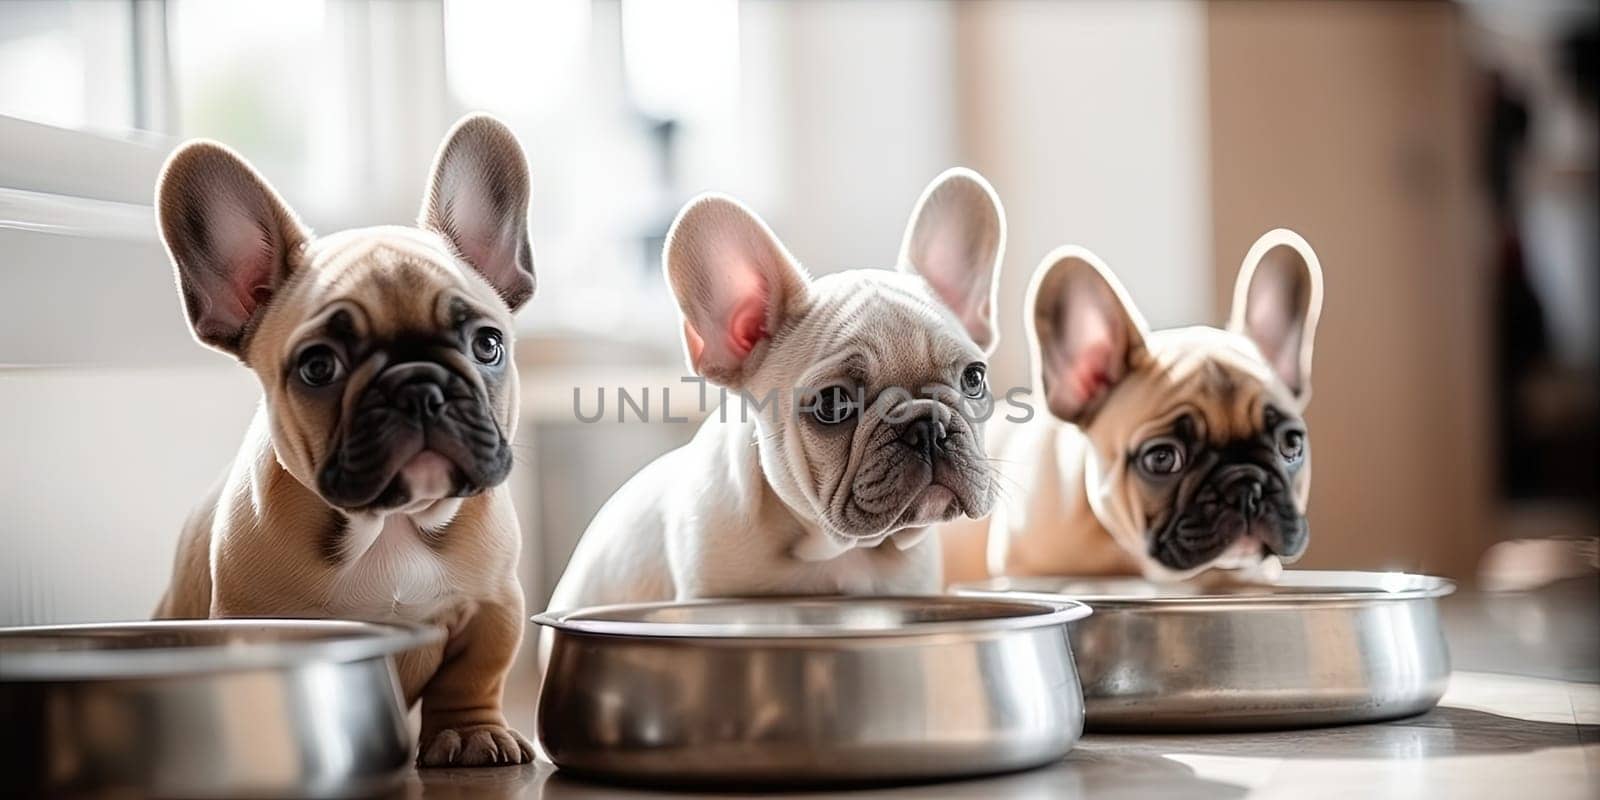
<point x="1440" y="157"/>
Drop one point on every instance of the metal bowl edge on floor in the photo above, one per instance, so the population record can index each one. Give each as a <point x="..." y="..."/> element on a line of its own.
<point x="807" y="691"/>
<point x="205" y="708"/>
<point x="1312" y="648"/>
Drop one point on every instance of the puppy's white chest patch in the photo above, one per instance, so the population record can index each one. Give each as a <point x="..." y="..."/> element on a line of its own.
<point x="388" y="571"/>
<point x="852" y="573"/>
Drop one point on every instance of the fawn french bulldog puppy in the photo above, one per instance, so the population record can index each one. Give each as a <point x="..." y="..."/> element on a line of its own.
<point x="370" y="484"/>
<point x="1164" y="453"/>
<point x="871" y="376"/>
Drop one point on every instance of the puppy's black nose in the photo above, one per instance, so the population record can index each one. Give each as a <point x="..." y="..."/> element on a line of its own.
<point x="1244" y="493"/>
<point x="926" y="436"/>
<point x="420" y="398"/>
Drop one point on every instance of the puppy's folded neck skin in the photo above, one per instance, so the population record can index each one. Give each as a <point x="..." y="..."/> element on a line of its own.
<point x="424" y="520"/>
<point x="344" y="540"/>
<point x="813" y="542"/>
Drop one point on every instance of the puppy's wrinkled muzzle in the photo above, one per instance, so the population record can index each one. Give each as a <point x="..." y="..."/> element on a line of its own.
<point x="1240" y="511"/>
<point x="926" y="437"/>
<point x="1243" y="486"/>
<point x="418" y="431"/>
<point x="922" y="465"/>
<point x="421" y="398"/>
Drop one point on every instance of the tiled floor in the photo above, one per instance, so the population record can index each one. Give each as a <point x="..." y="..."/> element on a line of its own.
<point x="1521" y="720"/>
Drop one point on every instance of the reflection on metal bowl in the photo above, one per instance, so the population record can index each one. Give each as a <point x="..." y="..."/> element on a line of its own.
<point x="804" y="691"/>
<point x="1311" y="648"/>
<point x="212" y="708"/>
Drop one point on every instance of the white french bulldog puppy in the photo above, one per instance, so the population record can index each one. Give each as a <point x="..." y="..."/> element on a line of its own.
<point x="850" y="426"/>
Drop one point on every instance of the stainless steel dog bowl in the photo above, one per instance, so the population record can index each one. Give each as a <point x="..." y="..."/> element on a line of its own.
<point x="219" y="708"/>
<point x="1311" y="648"/>
<point x="810" y="690"/>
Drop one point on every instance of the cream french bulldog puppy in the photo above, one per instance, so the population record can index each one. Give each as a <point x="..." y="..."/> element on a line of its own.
<point x="371" y="483"/>
<point x="871" y="379"/>
<point x="1163" y="453"/>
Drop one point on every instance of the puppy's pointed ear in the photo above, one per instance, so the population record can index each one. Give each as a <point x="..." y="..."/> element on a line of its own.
<point x="232" y="240"/>
<point x="1276" y="302"/>
<point x="955" y="240"/>
<point x="478" y="201"/>
<point x="1084" y="331"/>
<point x="735" y="285"/>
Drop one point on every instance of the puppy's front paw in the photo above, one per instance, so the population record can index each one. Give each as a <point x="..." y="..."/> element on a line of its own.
<point x="476" y="746"/>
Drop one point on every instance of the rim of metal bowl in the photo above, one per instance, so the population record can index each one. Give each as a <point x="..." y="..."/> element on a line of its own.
<point x="1049" y="611"/>
<point x="347" y="640"/>
<point x="1341" y="586"/>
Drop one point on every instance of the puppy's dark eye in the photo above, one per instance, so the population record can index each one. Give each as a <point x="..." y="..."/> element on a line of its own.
<point x="1161" y="457"/>
<point x="975" y="380"/>
<point x="319" y="366"/>
<point x="1291" y="444"/>
<point x="833" y="405"/>
<point x="487" y="346"/>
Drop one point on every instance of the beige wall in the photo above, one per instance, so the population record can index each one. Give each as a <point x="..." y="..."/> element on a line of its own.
<point x="1345" y="121"/>
<point x="864" y="122"/>
<point x="1090" y="120"/>
<point x="1348" y="122"/>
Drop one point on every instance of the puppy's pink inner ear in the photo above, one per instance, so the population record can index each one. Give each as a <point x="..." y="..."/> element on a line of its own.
<point x="246" y="256"/>
<point x="1278" y="336"/>
<point x="740" y="304"/>
<point x="1089" y="374"/>
<point x="747" y="326"/>
<point x="1084" y="365"/>
<point x="473" y="225"/>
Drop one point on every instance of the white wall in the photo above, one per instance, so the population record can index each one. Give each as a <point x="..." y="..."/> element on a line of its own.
<point x="867" y="117"/>
<point x="1090" y="119"/>
<point x="100" y="467"/>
